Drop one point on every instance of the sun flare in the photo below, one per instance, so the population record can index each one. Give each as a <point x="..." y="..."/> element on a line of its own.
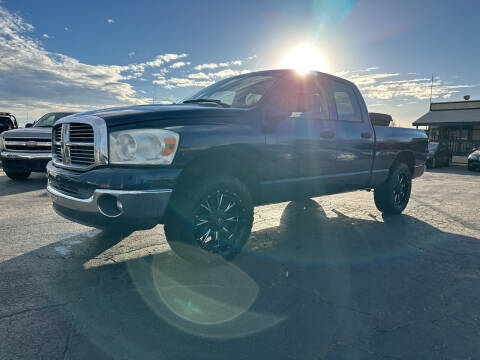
<point x="304" y="58"/>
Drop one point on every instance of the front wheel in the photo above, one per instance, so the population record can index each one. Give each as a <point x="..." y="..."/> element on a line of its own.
<point x="212" y="219"/>
<point x="17" y="175"/>
<point x="393" y="195"/>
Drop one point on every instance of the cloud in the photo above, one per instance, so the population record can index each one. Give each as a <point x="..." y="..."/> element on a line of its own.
<point x="179" y="64"/>
<point x="131" y="54"/>
<point x="110" y="21"/>
<point x="45" y="36"/>
<point x="66" y="28"/>
<point x="218" y="65"/>
<point x="385" y="86"/>
<point x="34" y="79"/>
<point x="199" y="79"/>
<point x="162" y="59"/>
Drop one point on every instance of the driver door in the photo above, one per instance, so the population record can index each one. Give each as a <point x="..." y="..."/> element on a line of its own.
<point x="301" y="144"/>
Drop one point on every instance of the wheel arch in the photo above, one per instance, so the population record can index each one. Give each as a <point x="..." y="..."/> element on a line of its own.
<point x="240" y="163"/>
<point x="405" y="157"/>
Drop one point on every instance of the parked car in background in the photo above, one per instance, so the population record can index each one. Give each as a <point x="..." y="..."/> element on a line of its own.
<point x="438" y="155"/>
<point x="7" y="122"/>
<point x="28" y="150"/>
<point x="201" y="166"/>
<point x="474" y="160"/>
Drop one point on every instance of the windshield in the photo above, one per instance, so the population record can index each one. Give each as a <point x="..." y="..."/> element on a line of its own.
<point x="48" y="120"/>
<point x="240" y="92"/>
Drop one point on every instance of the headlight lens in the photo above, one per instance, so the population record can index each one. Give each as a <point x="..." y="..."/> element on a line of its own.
<point x="2" y="143"/>
<point x="143" y="146"/>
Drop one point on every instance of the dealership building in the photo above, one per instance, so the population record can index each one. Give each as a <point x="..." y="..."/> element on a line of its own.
<point x="456" y="124"/>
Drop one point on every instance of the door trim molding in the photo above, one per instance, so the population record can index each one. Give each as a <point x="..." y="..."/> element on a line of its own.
<point x="319" y="177"/>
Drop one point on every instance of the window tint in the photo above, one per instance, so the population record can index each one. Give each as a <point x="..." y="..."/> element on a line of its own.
<point x="346" y="103"/>
<point x="305" y="101"/>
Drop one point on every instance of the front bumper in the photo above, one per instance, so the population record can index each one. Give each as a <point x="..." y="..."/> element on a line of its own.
<point x="139" y="209"/>
<point x="25" y="161"/>
<point x="474" y="163"/>
<point x="89" y="198"/>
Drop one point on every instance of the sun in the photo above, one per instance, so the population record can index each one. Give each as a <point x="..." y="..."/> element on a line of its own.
<point x="304" y="58"/>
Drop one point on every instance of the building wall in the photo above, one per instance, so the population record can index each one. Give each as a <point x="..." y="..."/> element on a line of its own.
<point x="461" y="139"/>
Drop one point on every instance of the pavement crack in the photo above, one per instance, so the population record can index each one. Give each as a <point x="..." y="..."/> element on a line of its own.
<point x="25" y="311"/>
<point x="67" y="342"/>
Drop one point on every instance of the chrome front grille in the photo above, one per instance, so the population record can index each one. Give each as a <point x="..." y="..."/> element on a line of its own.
<point x="80" y="143"/>
<point x="28" y="145"/>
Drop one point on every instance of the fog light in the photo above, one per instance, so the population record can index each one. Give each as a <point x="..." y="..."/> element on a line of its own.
<point x="109" y="205"/>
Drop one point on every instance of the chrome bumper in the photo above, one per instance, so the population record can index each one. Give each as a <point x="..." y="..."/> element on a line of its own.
<point x="19" y="155"/>
<point x="134" y="204"/>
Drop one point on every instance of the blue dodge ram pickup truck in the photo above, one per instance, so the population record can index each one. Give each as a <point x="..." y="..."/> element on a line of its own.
<point x="201" y="166"/>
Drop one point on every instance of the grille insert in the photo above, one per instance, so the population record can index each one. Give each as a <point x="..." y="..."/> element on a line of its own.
<point x="74" y="145"/>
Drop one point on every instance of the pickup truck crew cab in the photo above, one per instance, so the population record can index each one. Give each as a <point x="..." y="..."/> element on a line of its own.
<point x="24" y="151"/>
<point x="201" y="166"/>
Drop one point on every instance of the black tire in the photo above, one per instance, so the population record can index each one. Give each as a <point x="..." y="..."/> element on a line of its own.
<point x="219" y="207"/>
<point x="393" y="195"/>
<point x="17" y="175"/>
<point x="470" y="168"/>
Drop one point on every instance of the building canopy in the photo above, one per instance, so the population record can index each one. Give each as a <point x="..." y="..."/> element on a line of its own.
<point x="451" y="113"/>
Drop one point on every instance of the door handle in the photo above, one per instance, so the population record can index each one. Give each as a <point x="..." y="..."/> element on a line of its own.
<point x="366" y="135"/>
<point x="327" y="134"/>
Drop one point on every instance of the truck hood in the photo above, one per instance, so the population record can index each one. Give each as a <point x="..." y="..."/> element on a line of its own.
<point x="178" y="114"/>
<point x="31" y="133"/>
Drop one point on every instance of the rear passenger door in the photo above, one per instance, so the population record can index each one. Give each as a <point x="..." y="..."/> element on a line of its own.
<point x="355" y="137"/>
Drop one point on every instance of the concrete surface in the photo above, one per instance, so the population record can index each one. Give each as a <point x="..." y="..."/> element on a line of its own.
<point x="328" y="278"/>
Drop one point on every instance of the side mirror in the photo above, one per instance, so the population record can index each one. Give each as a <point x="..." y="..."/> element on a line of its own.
<point x="29" y="125"/>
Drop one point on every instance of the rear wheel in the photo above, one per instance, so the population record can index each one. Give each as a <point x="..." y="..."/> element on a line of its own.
<point x="212" y="219"/>
<point x="393" y="195"/>
<point x="17" y="175"/>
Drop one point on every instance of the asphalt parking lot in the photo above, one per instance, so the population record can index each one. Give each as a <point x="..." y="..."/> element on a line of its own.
<point x="328" y="278"/>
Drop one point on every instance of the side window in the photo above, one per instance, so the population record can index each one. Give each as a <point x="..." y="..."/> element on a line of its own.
<point x="346" y="103"/>
<point x="305" y="102"/>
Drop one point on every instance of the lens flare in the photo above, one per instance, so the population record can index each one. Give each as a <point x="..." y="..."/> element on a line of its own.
<point x="304" y="58"/>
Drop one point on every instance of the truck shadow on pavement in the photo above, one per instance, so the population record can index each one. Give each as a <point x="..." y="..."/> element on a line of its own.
<point x="314" y="287"/>
<point x="33" y="183"/>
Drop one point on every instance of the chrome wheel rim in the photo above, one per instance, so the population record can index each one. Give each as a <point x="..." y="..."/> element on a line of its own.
<point x="401" y="190"/>
<point x="218" y="221"/>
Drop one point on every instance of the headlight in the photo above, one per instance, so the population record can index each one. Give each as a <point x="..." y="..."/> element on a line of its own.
<point x="2" y="143"/>
<point x="143" y="146"/>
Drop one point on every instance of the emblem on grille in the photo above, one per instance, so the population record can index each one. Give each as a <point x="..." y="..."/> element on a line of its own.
<point x="31" y="143"/>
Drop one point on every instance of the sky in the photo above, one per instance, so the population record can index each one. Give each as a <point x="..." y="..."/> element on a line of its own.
<point x="59" y="55"/>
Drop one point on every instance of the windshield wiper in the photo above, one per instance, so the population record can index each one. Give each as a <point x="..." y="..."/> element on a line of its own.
<point x="218" y="102"/>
